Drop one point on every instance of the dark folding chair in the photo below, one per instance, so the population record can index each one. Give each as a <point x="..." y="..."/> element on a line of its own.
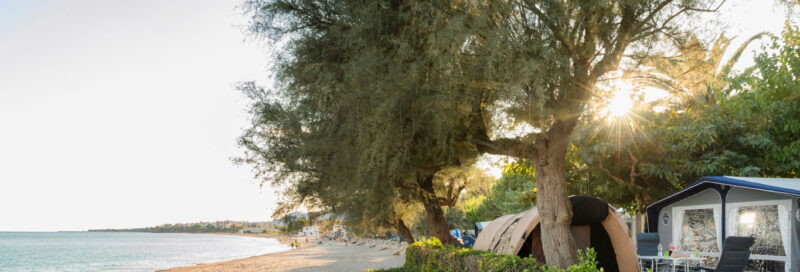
<point x="735" y="254"/>
<point x="647" y="245"/>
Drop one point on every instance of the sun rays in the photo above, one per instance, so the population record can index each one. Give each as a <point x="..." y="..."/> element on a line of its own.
<point x="620" y="105"/>
<point x="619" y="118"/>
<point x="617" y="103"/>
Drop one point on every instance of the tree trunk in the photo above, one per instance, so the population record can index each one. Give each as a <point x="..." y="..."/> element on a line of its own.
<point x="403" y="230"/>
<point x="555" y="210"/>
<point x="437" y="223"/>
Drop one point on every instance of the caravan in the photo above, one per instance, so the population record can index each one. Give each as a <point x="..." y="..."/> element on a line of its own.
<point x="700" y="217"/>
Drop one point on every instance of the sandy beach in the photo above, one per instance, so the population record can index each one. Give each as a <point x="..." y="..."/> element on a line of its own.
<point x="330" y="256"/>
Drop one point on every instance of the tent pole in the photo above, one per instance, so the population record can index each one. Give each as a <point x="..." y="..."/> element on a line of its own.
<point x="723" y="194"/>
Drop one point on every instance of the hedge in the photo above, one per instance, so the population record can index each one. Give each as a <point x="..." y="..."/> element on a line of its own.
<point x="431" y="255"/>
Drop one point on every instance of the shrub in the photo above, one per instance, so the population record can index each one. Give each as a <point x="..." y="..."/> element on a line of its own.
<point x="431" y="255"/>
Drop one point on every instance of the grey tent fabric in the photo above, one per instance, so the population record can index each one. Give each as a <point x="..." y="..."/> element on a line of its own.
<point x="735" y="254"/>
<point x="647" y="244"/>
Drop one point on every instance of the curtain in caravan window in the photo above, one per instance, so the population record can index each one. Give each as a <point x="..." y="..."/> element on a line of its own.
<point x="785" y="225"/>
<point x="677" y="222"/>
<point x="718" y="226"/>
<point x="770" y="223"/>
<point x="698" y="230"/>
<point x="763" y="222"/>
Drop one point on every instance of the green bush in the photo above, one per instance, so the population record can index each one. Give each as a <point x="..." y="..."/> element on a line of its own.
<point x="431" y="255"/>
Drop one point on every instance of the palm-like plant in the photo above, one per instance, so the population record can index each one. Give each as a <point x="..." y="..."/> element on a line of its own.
<point x="697" y="74"/>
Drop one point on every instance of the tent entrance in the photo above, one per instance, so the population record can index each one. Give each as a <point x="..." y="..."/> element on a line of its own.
<point x="586" y="236"/>
<point x="533" y="246"/>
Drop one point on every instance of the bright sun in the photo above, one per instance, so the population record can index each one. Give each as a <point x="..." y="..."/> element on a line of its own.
<point x="620" y="104"/>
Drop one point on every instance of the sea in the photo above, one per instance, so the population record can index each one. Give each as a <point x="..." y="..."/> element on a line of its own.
<point x="123" y="251"/>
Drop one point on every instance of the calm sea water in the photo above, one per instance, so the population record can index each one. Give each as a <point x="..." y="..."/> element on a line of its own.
<point x="121" y="251"/>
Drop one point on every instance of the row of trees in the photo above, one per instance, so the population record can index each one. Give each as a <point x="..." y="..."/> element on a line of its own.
<point x="291" y="224"/>
<point x="382" y="107"/>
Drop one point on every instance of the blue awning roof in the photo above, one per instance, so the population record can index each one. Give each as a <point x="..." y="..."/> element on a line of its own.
<point x="777" y="185"/>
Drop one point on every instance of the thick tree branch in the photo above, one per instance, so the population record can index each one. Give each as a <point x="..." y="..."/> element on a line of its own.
<point x="608" y="173"/>
<point x="480" y="136"/>
<point x="619" y="180"/>
<point x="611" y="59"/>
<point x="634" y="162"/>
<point x="505" y="147"/>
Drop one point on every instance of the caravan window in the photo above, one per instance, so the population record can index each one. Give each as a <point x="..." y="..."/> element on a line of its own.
<point x="698" y="231"/>
<point x="770" y="223"/>
<point x="761" y="222"/>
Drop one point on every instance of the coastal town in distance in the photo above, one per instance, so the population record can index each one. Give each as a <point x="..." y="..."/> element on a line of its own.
<point x="288" y="226"/>
<point x="202" y="227"/>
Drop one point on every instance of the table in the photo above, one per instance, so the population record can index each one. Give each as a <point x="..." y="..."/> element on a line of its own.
<point x="674" y="261"/>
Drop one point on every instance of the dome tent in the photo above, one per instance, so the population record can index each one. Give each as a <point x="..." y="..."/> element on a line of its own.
<point x="594" y="224"/>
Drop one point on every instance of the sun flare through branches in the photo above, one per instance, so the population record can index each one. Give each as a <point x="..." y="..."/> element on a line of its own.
<point x="620" y="104"/>
<point x="617" y="101"/>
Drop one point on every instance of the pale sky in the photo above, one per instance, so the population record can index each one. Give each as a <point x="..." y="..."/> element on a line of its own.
<point x="124" y="114"/>
<point x="118" y="114"/>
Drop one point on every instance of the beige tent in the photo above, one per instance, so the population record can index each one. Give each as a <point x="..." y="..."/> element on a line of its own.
<point x="487" y="234"/>
<point x="595" y="224"/>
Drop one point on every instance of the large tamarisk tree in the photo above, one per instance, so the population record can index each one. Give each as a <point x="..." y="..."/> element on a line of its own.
<point x="368" y="106"/>
<point x="542" y="61"/>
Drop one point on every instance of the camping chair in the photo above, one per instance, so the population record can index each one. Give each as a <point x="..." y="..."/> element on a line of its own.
<point x="735" y="253"/>
<point x="647" y="245"/>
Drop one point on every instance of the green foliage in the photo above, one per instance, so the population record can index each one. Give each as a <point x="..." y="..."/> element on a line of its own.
<point x="292" y="224"/>
<point x="763" y="118"/>
<point x="457" y="219"/>
<point x="586" y="261"/>
<point x="431" y="255"/>
<point x="741" y="125"/>
<point x="514" y="192"/>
